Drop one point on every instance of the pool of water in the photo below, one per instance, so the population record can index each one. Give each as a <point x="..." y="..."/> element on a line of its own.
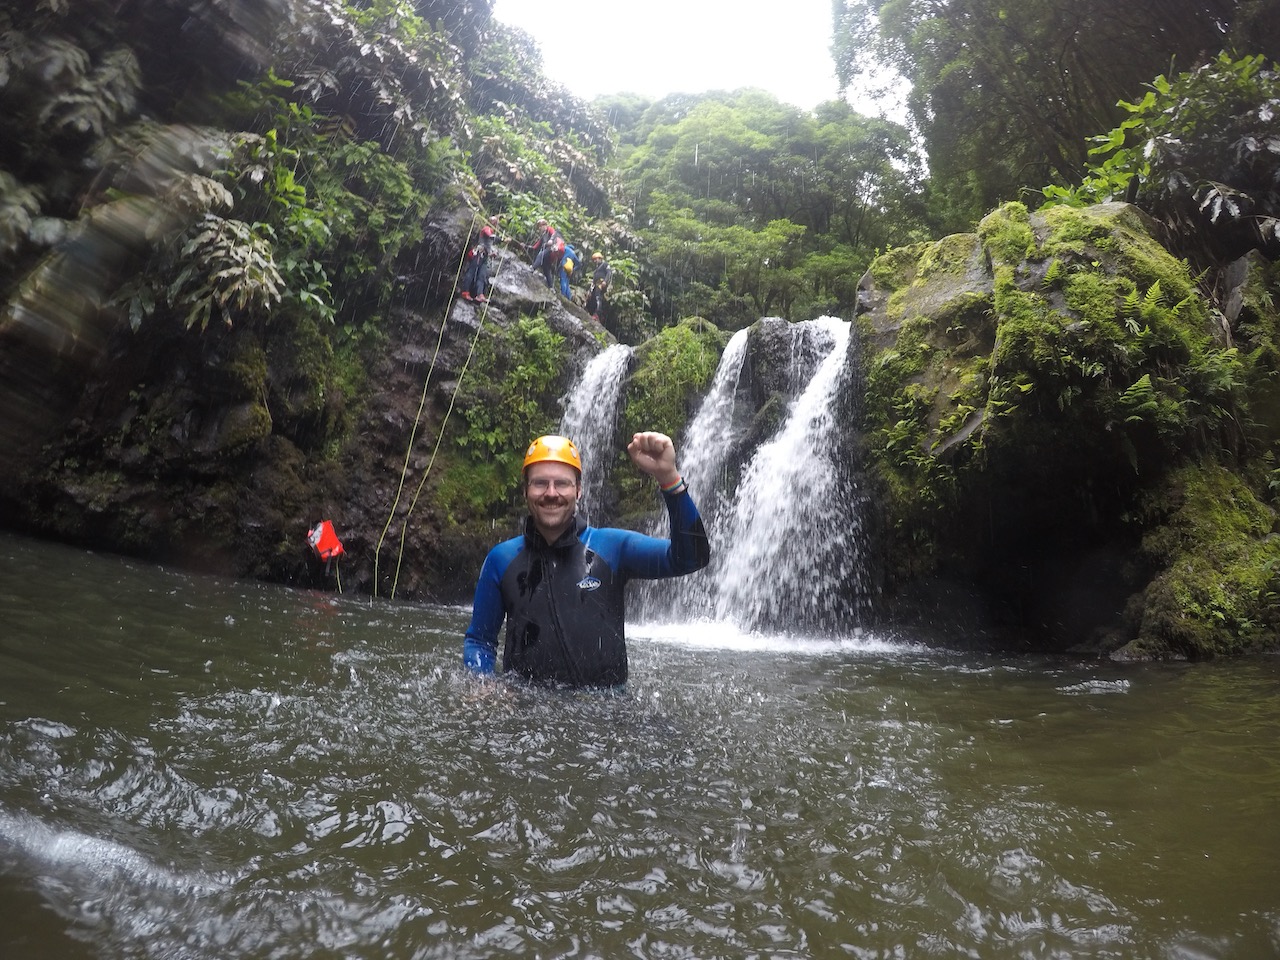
<point x="193" y="767"/>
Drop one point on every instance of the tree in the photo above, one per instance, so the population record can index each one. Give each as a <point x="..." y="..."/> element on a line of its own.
<point x="735" y="191"/>
<point x="1006" y="95"/>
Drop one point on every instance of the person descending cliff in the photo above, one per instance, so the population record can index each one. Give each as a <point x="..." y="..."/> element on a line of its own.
<point x="568" y="263"/>
<point x="600" y="279"/>
<point x="475" y="277"/>
<point x="548" y="250"/>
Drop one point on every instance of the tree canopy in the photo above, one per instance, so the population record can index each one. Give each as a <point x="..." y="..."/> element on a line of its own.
<point x="750" y="206"/>
<point x="1006" y="95"/>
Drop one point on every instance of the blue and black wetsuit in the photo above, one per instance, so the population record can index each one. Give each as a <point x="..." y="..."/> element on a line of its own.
<point x="563" y="602"/>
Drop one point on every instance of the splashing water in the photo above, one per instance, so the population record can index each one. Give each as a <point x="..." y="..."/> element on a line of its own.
<point x="712" y="434"/>
<point x="591" y="417"/>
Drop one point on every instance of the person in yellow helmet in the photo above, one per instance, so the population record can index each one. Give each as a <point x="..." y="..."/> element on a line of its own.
<point x="600" y="279"/>
<point x="560" y="585"/>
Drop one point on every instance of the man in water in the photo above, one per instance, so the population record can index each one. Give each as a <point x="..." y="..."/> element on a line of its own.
<point x="560" y="584"/>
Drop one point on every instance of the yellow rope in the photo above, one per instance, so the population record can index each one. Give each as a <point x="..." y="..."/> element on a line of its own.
<point x="413" y="434"/>
<point x="439" y="437"/>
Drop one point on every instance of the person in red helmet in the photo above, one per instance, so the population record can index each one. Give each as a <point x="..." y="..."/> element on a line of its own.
<point x="548" y="252"/>
<point x="475" y="278"/>
<point x="560" y="585"/>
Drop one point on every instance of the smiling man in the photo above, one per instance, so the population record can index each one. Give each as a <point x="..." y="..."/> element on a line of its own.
<point x="560" y="585"/>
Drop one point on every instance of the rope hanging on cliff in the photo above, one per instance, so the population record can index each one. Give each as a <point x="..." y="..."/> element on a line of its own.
<point x="422" y="402"/>
<point x="404" y="529"/>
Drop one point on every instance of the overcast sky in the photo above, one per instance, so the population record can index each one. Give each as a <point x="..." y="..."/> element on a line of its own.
<point x="657" y="47"/>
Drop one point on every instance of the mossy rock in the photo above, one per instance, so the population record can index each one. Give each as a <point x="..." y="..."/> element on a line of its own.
<point x="1026" y="384"/>
<point x="1218" y="592"/>
<point x="671" y="373"/>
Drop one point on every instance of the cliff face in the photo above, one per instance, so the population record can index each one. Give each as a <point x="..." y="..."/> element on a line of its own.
<point x="218" y="451"/>
<point x="228" y="240"/>
<point x="1053" y="415"/>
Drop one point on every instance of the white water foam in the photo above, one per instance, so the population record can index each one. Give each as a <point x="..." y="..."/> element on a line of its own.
<point x="726" y="635"/>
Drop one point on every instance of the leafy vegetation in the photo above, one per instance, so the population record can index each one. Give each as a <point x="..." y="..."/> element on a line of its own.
<point x="748" y="207"/>
<point x="672" y="371"/>
<point x="1199" y="153"/>
<point x="510" y="387"/>
<point x="1006" y="95"/>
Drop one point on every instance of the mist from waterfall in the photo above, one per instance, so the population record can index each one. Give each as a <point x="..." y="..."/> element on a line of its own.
<point x="591" y="418"/>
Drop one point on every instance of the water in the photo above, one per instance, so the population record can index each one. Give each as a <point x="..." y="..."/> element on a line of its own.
<point x="591" y="417"/>
<point x="791" y="550"/>
<point x="198" y="768"/>
<point x="786" y="530"/>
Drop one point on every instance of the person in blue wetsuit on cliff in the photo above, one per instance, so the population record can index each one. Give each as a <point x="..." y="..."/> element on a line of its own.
<point x="559" y="585"/>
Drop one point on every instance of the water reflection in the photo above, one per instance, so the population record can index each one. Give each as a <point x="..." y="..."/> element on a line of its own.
<point x="199" y="768"/>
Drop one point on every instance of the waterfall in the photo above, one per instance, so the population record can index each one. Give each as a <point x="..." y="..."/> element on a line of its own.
<point x="787" y="537"/>
<point x="591" y="419"/>
<point x="712" y="433"/>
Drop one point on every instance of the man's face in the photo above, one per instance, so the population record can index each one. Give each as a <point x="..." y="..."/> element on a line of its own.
<point x="551" y="491"/>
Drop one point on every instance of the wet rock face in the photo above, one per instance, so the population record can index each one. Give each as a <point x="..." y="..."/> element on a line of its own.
<point x="1028" y="388"/>
<point x="219" y="450"/>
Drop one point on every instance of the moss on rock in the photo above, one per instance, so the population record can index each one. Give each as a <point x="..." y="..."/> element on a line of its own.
<point x="672" y="371"/>
<point x="1219" y="590"/>
<point x="1019" y="404"/>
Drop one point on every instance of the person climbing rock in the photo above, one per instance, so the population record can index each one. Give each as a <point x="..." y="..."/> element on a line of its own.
<point x="600" y="279"/>
<point x="568" y="263"/>
<point x="534" y="242"/>
<point x="548" y="251"/>
<point x="475" y="277"/>
<point x="560" y="584"/>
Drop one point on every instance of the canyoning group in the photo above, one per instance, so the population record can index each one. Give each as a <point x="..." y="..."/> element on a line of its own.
<point x="552" y="256"/>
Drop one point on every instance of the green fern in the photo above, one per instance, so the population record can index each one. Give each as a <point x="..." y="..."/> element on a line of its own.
<point x="1139" y="400"/>
<point x="230" y="267"/>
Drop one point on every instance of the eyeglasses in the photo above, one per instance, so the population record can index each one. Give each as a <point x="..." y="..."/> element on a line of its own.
<point x="559" y="484"/>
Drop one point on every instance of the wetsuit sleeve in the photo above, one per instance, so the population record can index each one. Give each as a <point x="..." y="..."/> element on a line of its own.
<point x="480" y="645"/>
<point x="651" y="558"/>
<point x="690" y="548"/>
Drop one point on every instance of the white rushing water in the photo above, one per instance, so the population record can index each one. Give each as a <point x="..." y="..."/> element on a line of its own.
<point x="783" y="519"/>
<point x="791" y="546"/>
<point x="591" y="416"/>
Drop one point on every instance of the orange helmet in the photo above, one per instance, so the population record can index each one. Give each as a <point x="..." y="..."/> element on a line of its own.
<point x="552" y="447"/>
<point x="597" y="255"/>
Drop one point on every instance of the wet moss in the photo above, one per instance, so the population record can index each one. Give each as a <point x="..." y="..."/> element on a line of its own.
<point x="1084" y="234"/>
<point x="672" y="371"/>
<point x="1218" y="593"/>
<point x="245" y="371"/>
<point x="982" y="396"/>
<point x="242" y="426"/>
<point x="1006" y="234"/>
<point x="1029" y="332"/>
<point x="1096" y="299"/>
<point x="948" y="256"/>
<point x="896" y="268"/>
